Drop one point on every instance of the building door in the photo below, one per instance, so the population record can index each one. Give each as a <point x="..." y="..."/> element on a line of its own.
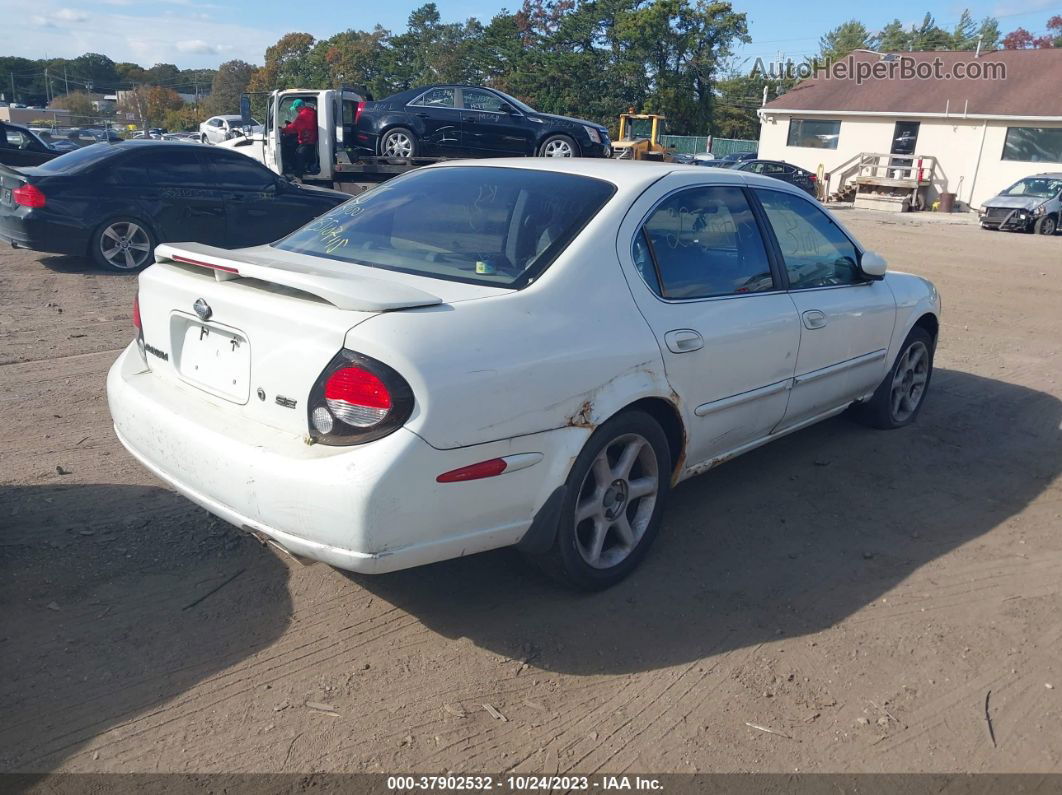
<point x="904" y="138"/>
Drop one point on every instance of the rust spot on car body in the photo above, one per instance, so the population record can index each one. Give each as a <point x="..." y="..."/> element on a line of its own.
<point x="583" y="418"/>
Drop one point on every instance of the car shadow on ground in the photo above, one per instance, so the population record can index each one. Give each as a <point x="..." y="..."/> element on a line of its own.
<point x="65" y="263"/>
<point x="787" y="540"/>
<point x="115" y="600"/>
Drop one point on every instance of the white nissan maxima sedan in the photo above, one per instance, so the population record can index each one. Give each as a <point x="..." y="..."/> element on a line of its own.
<point x="510" y="352"/>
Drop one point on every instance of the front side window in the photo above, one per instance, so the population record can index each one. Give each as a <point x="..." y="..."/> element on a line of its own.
<point x="816" y="252"/>
<point x="704" y="242"/>
<point x="478" y="224"/>
<point x="168" y="168"/>
<point x="814" y="133"/>
<point x="238" y="171"/>
<point x="474" y="99"/>
<point x="1033" y="144"/>
<point x="436" y="98"/>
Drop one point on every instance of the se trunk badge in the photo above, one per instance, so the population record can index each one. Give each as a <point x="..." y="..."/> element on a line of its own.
<point x="202" y="308"/>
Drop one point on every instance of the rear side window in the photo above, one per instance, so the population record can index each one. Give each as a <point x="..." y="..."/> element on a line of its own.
<point x="171" y="167"/>
<point x="78" y="159"/>
<point x="816" y="252"/>
<point x="704" y="242"/>
<point x="477" y="224"/>
<point x="436" y="98"/>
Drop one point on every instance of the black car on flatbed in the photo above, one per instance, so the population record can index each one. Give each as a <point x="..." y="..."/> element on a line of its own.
<point x="115" y="202"/>
<point x="471" y="121"/>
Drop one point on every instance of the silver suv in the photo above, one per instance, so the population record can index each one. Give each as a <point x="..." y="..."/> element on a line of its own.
<point x="1031" y="203"/>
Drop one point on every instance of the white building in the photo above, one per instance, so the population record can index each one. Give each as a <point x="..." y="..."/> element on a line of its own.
<point x="976" y="134"/>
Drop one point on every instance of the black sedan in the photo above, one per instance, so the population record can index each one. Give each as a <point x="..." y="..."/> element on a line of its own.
<point x="22" y="147"/>
<point x="469" y="121"/>
<point x="786" y="172"/>
<point x="115" y="202"/>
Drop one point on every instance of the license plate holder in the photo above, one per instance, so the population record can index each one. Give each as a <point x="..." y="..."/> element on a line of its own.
<point x="215" y="358"/>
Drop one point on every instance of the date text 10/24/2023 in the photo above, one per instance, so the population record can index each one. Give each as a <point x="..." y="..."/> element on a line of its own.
<point x="522" y="783"/>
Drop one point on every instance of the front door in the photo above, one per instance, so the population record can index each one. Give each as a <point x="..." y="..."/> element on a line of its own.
<point x="491" y="127"/>
<point x="904" y="139"/>
<point x="727" y="331"/>
<point x="846" y="320"/>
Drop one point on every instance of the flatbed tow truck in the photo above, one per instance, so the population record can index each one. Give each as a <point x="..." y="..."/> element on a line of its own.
<point x="341" y="164"/>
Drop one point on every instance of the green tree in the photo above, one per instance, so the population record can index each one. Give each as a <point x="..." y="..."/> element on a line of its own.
<point x="839" y="42"/>
<point x="230" y="81"/>
<point x="893" y="38"/>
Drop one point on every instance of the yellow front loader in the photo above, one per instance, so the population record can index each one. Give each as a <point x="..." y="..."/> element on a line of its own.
<point x="639" y="137"/>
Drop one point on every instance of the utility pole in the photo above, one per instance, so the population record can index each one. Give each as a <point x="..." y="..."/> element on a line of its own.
<point x="13" y="99"/>
<point x="66" y="82"/>
<point x="47" y="88"/>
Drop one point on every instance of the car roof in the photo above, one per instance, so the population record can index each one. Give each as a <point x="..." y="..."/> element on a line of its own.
<point x="625" y="174"/>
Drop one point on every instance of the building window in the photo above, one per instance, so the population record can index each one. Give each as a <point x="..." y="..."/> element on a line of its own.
<point x="1033" y="144"/>
<point x="814" y="133"/>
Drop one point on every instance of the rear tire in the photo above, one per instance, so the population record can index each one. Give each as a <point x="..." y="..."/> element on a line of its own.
<point x="1047" y="225"/>
<point x="899" y="398"/>
<point x="123" y="245"/>
<point x="613" y="503"/>
<point x="398" y="142"/>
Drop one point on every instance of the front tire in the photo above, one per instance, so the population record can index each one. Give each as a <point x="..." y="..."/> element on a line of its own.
<point x="398" y="142"/>
<point x="123" y="245"/>
<point x="899" y="398"/>
<point x="1047" y="225"/>
<point x="558" y="146"/>
<point x="613" y="503"/>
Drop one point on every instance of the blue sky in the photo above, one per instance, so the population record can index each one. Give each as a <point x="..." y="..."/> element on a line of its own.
<point x="193" y="33"/>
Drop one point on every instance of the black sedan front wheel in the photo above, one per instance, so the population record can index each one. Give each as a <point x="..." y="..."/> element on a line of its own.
<point x="123" y="244"/>
<point x="558" y="146"/>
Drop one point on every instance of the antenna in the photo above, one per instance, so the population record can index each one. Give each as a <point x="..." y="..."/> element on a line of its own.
<point x="979" y="40"/>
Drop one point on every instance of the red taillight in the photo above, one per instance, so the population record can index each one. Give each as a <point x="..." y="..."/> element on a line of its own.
<point x="357" y="111"/>
<point x="28" y="196"/>
<point x="814" y="179"/>
<point x="137" y="322"/>
<point x="484" y="469"/>
<point x="357" y="396"/>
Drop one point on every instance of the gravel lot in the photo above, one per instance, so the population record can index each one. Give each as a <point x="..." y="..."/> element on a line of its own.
<point x="857" y="592"/>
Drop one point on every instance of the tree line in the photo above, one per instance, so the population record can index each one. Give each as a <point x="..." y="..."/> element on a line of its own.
<point x="590" y="58"/>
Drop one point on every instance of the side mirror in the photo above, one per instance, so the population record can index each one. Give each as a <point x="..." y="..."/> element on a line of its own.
<point x="507" y="108"/>
<point x="873" y="264"/>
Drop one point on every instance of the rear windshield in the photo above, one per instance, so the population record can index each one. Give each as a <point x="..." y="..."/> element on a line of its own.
<point x="76" y="159"/>
<point x="476" y="224"/>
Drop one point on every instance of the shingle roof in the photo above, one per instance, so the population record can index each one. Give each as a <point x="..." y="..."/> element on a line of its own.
<point x="1030" y="88"/>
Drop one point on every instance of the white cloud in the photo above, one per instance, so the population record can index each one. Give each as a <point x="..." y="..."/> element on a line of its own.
<point x="200" y="47"/>
<point x="159" y="32"/>
<point x="70" y="15"/>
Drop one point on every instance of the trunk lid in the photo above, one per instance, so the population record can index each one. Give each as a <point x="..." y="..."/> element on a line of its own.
<point x="250" y="330"/>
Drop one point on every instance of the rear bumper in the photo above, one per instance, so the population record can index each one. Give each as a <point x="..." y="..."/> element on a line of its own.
<point x="371" y="508"/>
<point x="23" y="228"/>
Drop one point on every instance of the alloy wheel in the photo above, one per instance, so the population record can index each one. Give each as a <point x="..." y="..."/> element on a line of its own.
<point x="558" y="148"/>
<point x="616" y="501"/>
<point x="909" y="381"/>
<point x="398" y="145"/>
<point x="125" y="245"/>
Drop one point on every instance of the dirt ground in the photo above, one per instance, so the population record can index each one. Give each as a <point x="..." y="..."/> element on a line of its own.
<point x="857" y="592"/>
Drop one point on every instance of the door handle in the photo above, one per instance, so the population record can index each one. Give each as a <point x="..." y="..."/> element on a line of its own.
<point x="683" y="340"/>
<point x="814" y="318"/>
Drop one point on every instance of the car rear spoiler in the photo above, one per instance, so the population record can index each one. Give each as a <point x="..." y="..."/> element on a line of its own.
<point x="347" y="291"/>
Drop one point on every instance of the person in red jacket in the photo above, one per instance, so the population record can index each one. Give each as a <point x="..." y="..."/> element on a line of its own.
<point x="304" y="128"/>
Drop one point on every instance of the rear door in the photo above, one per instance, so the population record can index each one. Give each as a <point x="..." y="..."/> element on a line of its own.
<point x="170" y="185"/>
<point x="714" y="300"/>
<point x="846" y="320"/>
<point x="439" y="119"/>
<point x="488" y="129"/>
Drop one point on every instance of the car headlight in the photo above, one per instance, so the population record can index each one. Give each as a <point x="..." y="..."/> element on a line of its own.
<point x="593" y="134"/>
<point x="1040" y="210"/>
<point x="982" y="210"/>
